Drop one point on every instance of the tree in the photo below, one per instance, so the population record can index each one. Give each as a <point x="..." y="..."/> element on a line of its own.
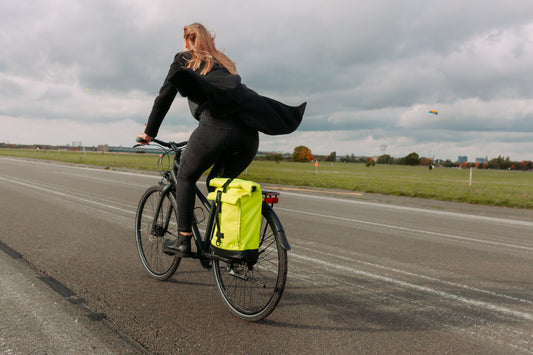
<point x="426" y="161"/>
<point x="349" y="159"/>
<point x="332" y="157"/>
<point x="369" y="162"/>
<point x="302" y="154"/>
<point x="411" y="159"/>
<point x="499" y="163"/>
<point x="448" y="164"/>
<point x="385" y="159"/>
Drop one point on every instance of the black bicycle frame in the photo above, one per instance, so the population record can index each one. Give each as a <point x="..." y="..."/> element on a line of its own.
<point x="202" y="245"/>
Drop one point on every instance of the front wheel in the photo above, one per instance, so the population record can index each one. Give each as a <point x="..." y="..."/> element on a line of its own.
<point x="151" y="230"/>
<point x="251" y="292"/>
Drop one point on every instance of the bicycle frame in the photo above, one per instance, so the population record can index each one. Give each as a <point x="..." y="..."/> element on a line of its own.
<point x="202" y="241"/>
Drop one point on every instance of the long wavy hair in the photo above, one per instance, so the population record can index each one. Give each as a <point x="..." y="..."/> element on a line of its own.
<point x="204" y="51"/>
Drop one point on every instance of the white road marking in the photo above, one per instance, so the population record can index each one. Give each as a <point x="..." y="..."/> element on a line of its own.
<point x="417" y="210"/>
<point x="67" y="196"/>
<point x="405" y="229"/>
<point x="405" y="284"/>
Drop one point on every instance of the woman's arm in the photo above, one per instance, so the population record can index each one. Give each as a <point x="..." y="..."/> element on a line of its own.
<point x="166" y="96"/>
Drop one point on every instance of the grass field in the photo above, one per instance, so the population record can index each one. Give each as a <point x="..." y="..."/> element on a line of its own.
<point x="489" y="187"/>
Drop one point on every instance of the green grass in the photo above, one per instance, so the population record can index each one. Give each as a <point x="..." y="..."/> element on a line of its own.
<point x="107" y="160"/>
<point x="489" y="187"/>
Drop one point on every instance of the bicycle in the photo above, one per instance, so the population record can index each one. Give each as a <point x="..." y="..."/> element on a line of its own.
<point x="250" y="291"/>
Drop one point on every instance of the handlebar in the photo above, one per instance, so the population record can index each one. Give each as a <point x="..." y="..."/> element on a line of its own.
<point x="172" y="145"/>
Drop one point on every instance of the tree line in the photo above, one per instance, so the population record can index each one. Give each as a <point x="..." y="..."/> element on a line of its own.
<point x="303" y="154"/>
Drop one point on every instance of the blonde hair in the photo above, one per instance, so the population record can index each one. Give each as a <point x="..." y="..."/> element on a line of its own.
<point x="204" y="51"/>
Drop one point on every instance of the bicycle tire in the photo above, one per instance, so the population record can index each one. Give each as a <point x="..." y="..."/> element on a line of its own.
<point x="252" y="293"/>
<point x="159" y="265"/>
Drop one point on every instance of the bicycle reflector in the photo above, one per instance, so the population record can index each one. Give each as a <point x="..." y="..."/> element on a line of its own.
<point x="270" y="197"/>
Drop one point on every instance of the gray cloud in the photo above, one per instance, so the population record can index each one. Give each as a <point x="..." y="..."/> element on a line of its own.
<point x="370" y="71"/>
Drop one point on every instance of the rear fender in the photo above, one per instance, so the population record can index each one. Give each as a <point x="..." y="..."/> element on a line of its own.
<point x="279" y="228"/>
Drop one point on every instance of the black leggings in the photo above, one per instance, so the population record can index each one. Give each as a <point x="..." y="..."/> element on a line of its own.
<point x="227" y="144"/>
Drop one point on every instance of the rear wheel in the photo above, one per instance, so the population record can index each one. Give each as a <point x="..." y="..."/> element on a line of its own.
<point x="252" y="292"/>
<point x="150" y="232"/>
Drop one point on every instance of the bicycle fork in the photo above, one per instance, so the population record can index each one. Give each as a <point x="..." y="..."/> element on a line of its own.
<point x="155" y="229"/>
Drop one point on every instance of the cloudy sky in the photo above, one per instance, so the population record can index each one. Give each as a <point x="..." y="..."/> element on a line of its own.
<point x="370" y="71"/>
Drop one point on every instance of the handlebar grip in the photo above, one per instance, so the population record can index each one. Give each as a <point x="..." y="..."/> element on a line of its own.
<point x="170" y="145"/>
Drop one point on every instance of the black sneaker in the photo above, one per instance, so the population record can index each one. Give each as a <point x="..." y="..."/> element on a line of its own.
<point x="180" y="246"/>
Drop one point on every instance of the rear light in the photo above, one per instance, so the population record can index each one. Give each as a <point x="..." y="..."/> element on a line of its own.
<point x="270" y="197"/>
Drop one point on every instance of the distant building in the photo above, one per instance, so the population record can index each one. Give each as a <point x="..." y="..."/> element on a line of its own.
<point x="481" y="160"/>
<point x="462" y="159"/>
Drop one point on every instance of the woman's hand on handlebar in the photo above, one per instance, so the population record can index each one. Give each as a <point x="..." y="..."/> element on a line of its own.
<point x="143" y="138"/>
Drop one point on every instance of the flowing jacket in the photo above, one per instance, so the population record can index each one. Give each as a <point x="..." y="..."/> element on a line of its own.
<point x="224" y="95"/>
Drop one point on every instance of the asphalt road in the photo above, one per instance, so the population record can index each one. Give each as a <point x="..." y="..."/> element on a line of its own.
<point x="368" y="274"/>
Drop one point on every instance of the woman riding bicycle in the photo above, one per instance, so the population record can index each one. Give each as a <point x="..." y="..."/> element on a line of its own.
<point x="229" y="114"/>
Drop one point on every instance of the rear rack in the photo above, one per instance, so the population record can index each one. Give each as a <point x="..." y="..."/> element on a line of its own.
<point x="270" y="197"/>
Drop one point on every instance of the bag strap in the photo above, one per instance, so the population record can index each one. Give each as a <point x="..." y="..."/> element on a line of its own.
<point x="226" y="184"/>
<point x="220" y="235"/>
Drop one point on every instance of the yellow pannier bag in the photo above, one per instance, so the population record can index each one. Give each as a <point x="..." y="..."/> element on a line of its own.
<point x="238" y="206"/>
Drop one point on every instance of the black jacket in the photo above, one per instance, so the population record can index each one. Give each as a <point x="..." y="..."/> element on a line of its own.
<point x="225" y="96"/>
